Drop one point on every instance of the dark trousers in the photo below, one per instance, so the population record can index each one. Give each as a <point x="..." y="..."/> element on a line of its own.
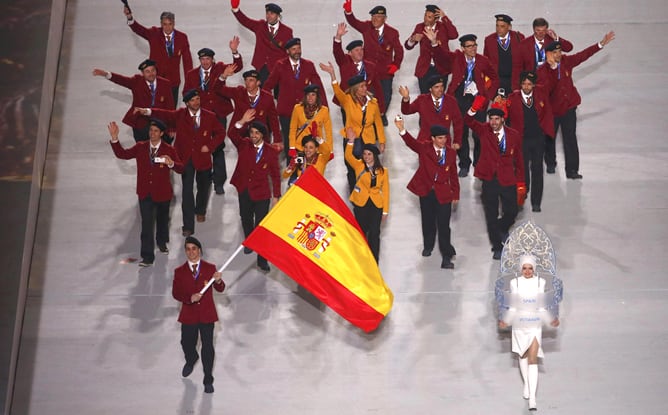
<point x="350" y="172"/>
<point x="140" y="134"/>
<point x="436" y="218"/>
<point x="423" y="81"/>
<point x="386" y="85"/>
<point x="369" y="218"/>
<point x="219" y="165"/>
<point x="497" y="228"/>
<point x="464" y="103"/>
<point x="189" y="334"/>
<point x="264" y="74"/>
<point x="285" y="133"/>
<point x="252" y="212"/>
<point x="192" y="205"/>
<point x="568" y="123"/>
<point x="175" y="94"/>
<point x="153" y="212"/>
<point x="532" y="150"/>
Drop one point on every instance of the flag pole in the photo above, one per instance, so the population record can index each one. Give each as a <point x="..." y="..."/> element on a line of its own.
<point x="206" y="287"/>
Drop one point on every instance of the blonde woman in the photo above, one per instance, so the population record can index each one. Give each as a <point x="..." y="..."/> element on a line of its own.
<point x="362" y="114"/>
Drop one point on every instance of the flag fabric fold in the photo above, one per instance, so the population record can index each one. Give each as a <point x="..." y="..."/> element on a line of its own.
<point x="313" y="237"/>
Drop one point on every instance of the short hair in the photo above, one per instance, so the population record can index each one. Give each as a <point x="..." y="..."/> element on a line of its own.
<point x="167" y="15"/>
<point x="540" y="22"/>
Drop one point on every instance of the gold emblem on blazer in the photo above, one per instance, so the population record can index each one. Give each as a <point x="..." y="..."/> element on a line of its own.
<point x="447" y="168"/>
<point x="542" y="104"/>
<point x="447" y="117"/>
<point x="205" y="133"/>
<point x="162" y="99"/>
<point x="261" y="113"/>
<point x="568" y="74"/>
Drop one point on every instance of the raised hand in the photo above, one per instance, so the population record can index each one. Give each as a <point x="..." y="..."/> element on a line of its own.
<point x="341" y="29"/>
<point x="235" y="4"/>
<point x="113" y="130"/>
<point x="234" y="44"/>
<point x="348" y="6"/>
<point x="609" y="37"/>
<point x="99" y="72"/>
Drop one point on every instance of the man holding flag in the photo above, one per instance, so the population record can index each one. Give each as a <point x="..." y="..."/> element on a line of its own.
<point x="198" y="312"/>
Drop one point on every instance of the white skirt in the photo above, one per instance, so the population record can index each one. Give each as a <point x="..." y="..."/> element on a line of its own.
<point x="522" y="338"/>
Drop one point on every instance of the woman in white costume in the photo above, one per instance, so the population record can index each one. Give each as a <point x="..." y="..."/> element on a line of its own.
<point x="525" y="315"/>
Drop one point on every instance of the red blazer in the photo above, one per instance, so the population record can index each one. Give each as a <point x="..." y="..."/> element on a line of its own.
<point x="541" y="103"/>
<point x="141" y="97"/>
<point x="265" y="110"/>
<point x="153" y="179"/>
<point x="167" y="66"/>
<point x="446" y="31"/>
<point x="348" y="69"/>
<point x="483" y="74"/>
<point x="528" y="50"/>
<point x="291" y="85"/>
<point x="383" y="54"/>
<point x="268" y="49"/>
<point x="507" y="167"/>
<point x="449" y="115"/>
<point x="190" y="140"/>
<point x="491" y="51"/>
<point x="185" y="285"/>
<point x="431" y="175"/>
<point x="254" y="176"/>
<point x="211" y="101"/>
<point x="559" y="82"/>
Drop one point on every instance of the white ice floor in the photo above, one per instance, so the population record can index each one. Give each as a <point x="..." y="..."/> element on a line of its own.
<point x="101" y="336"/>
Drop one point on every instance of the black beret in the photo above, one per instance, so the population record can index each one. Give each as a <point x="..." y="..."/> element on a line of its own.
<point x="370" y="147"/>
<point x="431" y="8"/>
<point x="188" y="95"/>
<point x="311" y="88"/>
<point x="528" y="75"/>
<point x="467" y="38"/>
<point x="206" y="52"/>
<point x="503" y="18"/>
<point x="258" y="125"/>
<point x="294" y="41"/>
<point x="161" y="125"/>
<point x="274" y="8"/>
<point x="433" y="80"/>
<point x="251" y="74"/>
<point x="146" y="64"/>
<point x="194" y="241"/>
<point x="354" y="44"/>
<point x="496" y="111"/>
<point x="556" y="45"/>
<point x="355" y="80"/>
<point x="308" y="138"/>
<point x="378" y="10"/>
<point x="437" y="130"/>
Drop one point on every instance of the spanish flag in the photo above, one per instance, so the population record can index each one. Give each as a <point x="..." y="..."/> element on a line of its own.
<point x="313" y="237"/>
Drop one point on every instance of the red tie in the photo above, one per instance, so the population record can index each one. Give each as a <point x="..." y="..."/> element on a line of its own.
<point x="206" y="77"/>
<point x="194" y="270"/>
<point x="529" y="101"/>
<point x="437" y="104"/>
<point x="272" y="30"/>
<point x="294" y="68"/>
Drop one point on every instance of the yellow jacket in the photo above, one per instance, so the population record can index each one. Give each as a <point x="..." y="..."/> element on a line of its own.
<point x="373" y="132"/>
<point x="379" y="194"/>
<point x="301" y="127"/>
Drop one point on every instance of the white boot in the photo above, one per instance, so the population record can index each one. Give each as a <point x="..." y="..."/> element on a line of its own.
<point x="533" y="383"/>
<point x="524" y="368"/>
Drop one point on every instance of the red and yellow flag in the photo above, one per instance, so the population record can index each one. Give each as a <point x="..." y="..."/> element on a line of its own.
<point x="313" y="237"/>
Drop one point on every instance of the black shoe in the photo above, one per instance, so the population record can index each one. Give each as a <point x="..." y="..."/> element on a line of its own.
<point x="163" y="249"/>
<point x="574" y="175"/>
<point x="144" y="263"/>
<point x="551" y="169"/>
<point x="497" y="254"/>
<point x="247" y="250"/>
<point x="264" y="267"/>
<point x="426" y="252"/>
<point x="384" y="118"/>
<point x="219" y="190"/>
<point x="535" y="208"/>
<point x="447" y="264"/>
<point x="208" y="388"/>
<point x="463" y="172"/>
<point x="187" y="370"/>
